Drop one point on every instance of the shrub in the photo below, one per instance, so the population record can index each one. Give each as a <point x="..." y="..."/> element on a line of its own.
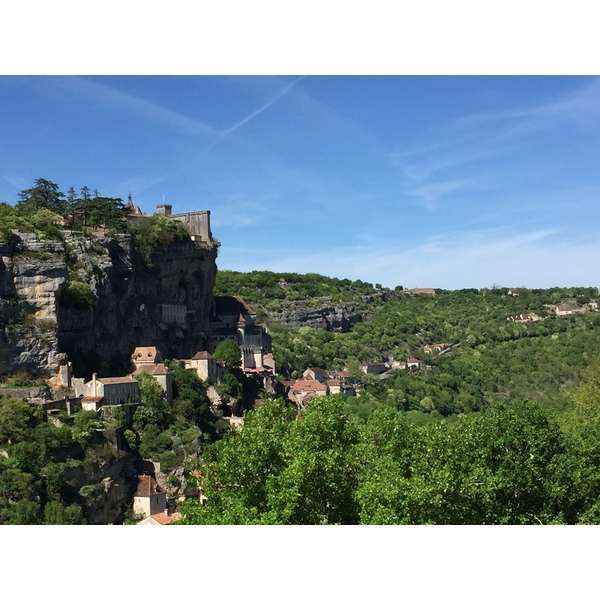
<point x="77" y="295"/>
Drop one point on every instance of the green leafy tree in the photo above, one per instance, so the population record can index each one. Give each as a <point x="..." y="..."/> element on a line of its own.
<point x="16" y="417"/>
<point x="57" y="514"/>
<point x="282" y="470"/>
<point x="23" y="512"/>
<point x="44" y="194"/>
<point x="229" y="352"/>
<point x="154" y="408"/>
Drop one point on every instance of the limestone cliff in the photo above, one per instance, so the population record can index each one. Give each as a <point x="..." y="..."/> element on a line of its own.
<point x="95" y="299"/>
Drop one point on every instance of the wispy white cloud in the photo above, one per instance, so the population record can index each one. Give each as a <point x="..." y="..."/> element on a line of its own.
<point x="468" y="141"/>
<point x="109" y="97"/>
<point x="17" y="182"/>
<point x="429" y="194"/>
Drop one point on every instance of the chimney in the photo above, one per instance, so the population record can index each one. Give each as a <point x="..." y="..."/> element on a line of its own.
<point x="94" y="384"/>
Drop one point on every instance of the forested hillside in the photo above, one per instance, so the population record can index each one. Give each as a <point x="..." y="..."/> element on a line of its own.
<point x="500" y="425"/>
<point x="487" y="355"/>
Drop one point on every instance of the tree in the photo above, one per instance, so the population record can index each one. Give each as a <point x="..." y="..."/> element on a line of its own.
<point x="44" y="194"/>
<point x="229" y="352"/>
<point x="57" y="514"/>
<point x="282" y="470"/>
<point x="16" y="416"/>
<point x="154" y="408"/>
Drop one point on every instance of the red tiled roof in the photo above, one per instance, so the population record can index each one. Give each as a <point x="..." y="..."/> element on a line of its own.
<point x="163" y="519"/>
<point x="202" y="356"/>
<point x="147" y="487"/>
<point x="159" y="369"/>
<point x="308" y="385"/>
<point x="564" y="307"/>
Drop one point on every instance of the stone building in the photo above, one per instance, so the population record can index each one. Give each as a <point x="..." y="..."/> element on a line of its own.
<point x="232" y="319"/>
<point x="108" y="391"/>
<point x="149" y="497"/>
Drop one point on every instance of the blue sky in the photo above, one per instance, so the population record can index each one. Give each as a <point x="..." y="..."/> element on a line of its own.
<point x="420" y="181"/>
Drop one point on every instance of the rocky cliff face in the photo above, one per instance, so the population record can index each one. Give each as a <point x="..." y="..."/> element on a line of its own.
<point x="322" y="313"/>
<point x="331" y="318"/>
<point x="96" y="300"/>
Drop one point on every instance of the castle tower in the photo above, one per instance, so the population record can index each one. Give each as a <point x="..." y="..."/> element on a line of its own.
<point x="164" y="209"/>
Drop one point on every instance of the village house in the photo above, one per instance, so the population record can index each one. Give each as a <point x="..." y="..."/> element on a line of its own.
<point x="417" y="291"/>
<point x="107" y="391"/>
<point x="524" y="318"/>
<point x="373" y="367"/>
<point x="316" y="374"/>
<point x="413" y="363"/>
<point x="147" y="359"/>
<point x="433" y="348"/>
<point x="303" y="390"/>
<point x="150" y="503"/>
<point x="562" y="310"/>
<point x="340" y="386"/>
<point x="207" y="367"/>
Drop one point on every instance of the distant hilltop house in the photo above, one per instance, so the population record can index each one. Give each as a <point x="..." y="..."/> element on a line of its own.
<point x="197" y="223"/>
<point x="562" y="310"/>
<point x="230" y="318"/>
<point x="524" y="317"/>
<point x="417" y="291"/>
<point x="433" y="348"/>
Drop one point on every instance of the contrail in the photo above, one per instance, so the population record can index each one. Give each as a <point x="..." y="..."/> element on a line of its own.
<point x="261" y="109"/>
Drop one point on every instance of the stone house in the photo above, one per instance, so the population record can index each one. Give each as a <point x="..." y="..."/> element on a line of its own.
<point x="207" y="367"/>
<point x="303" y="390"/>
<point x="108" y="391"/>
<point x="316" y="374"/>
<point x="373" y="367"/>
<point x="149" y="498"/>
<point x="562" y="310"/>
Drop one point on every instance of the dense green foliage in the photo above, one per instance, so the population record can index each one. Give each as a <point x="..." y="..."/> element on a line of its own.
<point x="45" y="210"/>
<point x="488" y="357"/>
<point x="153" y="231"/>
<point x="268" y="291"/>
<point x="512" y="463"/>
<point x="77" y="294"/>
<point x="229" y="352"/>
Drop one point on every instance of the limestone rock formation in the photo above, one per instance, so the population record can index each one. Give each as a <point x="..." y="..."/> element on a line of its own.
<point x="96" y="300"/>
<point x="332" y="318"/>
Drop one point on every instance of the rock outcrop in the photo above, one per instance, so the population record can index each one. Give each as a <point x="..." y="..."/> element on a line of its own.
<point x="96" y="300"/>
<point x="332" y="318"/>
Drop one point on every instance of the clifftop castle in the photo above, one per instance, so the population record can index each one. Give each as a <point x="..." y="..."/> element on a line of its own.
<point x="197" y="223"/>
